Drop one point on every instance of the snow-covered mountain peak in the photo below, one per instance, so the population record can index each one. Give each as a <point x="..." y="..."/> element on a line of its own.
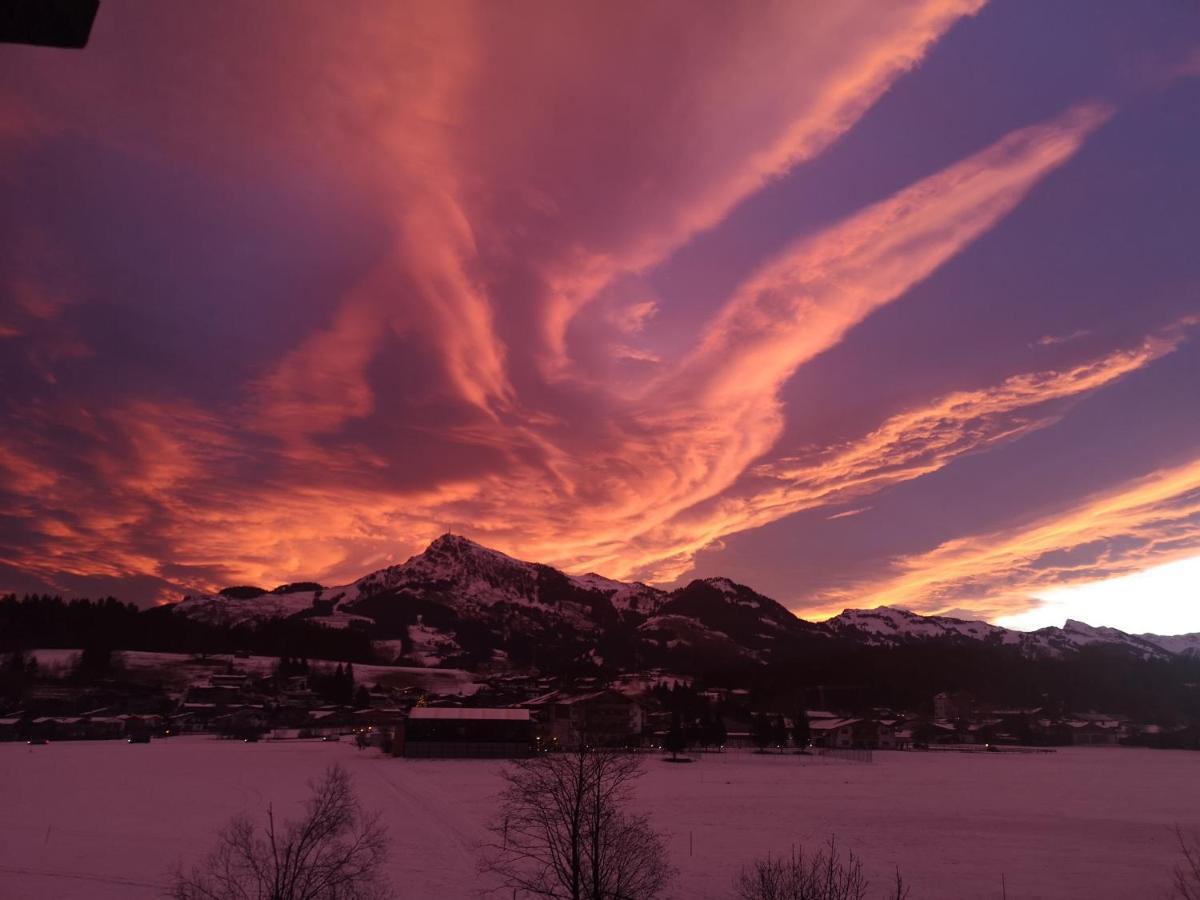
<point x="724" y="585"/>
<point x="730" y="591"/>
<point x="450" y="544"/>
<point x="891" y="623"/>
<point x="475" y="573"/>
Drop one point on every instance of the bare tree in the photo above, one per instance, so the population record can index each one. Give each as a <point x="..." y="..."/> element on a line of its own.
<point x="563" y="832"/>
<point x="335" y="852"/>
<point x="824" y="875"/>
<point x="1187" y="873"/>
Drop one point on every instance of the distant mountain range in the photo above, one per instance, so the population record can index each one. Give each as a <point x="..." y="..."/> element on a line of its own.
<point x="464" y="604"/>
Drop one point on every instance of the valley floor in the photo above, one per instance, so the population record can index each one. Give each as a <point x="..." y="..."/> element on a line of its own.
<point x="107" y="820"/>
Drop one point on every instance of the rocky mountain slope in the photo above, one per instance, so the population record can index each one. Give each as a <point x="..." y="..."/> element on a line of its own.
<point x="461" y="603"/>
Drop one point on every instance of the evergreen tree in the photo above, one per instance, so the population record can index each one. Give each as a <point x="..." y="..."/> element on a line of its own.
<point x="801" y="730"/>
<point x="704" y="728"/>
<point x="720" y="734"/>
<point x="779" y="732"/>
<point x="762" y="731"/>
<point x="675" y="743"/>
<point x="95" y="661"/>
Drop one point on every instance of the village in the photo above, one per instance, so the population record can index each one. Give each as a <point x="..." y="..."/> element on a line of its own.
<point x="513" y="715"/>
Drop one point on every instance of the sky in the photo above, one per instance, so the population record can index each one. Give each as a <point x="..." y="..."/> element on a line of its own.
<point x="860" y="303"/>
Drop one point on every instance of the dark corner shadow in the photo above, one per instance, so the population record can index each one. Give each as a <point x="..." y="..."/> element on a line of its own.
<point x="48" y="23"/>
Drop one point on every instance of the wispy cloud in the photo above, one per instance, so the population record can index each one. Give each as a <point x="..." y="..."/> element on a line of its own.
<point x="845" y="514"/>
<point x="1051" y="340"/>
<point x="906" y="446"/>
<point x="1148" y="521"/>
<point x="639" y="489"/>
<point x="519" y="170"/>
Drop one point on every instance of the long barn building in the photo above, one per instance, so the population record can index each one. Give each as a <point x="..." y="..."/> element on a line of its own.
<point x="452" y="732"/>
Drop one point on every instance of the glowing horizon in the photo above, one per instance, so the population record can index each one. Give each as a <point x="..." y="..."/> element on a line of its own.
<point x="1170" y="591"/>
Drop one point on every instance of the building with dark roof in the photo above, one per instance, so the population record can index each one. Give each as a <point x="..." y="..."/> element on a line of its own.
<point x="466" y="732"/>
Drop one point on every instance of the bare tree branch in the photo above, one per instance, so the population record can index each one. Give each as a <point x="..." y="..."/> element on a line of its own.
<point x="823" y="876"/>
<point x="334" y="852"/>
<point x="1187" y="873"/>
<point x="562" y="832"/>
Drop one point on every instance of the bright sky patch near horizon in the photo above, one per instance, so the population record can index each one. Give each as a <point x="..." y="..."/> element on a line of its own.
<point x="855" y="303"/>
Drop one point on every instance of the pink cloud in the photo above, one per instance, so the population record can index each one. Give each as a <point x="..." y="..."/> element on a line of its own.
<point x="522" y="165"/>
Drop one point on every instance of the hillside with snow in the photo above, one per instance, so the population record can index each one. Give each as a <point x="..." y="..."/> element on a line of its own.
<point x="460" y="603"/>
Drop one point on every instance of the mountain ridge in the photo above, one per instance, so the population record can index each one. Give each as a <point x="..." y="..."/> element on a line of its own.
<point x="459" y="599"/>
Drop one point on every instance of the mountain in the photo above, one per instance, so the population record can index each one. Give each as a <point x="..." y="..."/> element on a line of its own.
<point x="460" y="603"/>
<point x="888" y="626"/>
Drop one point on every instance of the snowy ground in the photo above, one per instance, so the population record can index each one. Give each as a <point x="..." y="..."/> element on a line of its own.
<point x="106" y="820"/>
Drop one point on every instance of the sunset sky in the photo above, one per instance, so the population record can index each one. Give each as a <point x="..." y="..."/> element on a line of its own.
<point x="857" y="303"/>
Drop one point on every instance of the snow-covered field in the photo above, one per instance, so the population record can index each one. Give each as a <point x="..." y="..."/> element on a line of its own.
<point x="106" y="820"/>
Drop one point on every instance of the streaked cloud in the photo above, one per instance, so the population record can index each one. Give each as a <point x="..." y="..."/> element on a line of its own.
<point x="481" y="203"/>
<point x="847" y="513"/>
<point x="907" y="446"/>
<point x="1146" y="522"/>
<point x="660" y="476"/>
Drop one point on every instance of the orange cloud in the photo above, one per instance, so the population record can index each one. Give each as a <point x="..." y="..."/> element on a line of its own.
<point x="519" y="165"/>
<point x="718" y="411"/>
<point x="638" y="489"/>
<point x="804" y="98"/>
<point x="908" y="445"/>
<point x="1151" y="520"/>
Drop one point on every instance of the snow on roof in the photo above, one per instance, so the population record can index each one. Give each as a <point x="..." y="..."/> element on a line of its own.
<point x="595" y="695"/>
<point x="831" y="724"/>
<point x="446" y="712"/>
<point x="541" y="699"/>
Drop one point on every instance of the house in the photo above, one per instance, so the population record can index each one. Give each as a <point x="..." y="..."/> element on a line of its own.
<point x="1053" y="732"/>
<point x="455" y="732"/>
<point x="101" y="728"/>
<point x="1012" y="726"/>
<point x="927" y="733"/>
<point x="142" y="724"/>
<point x="881" y="736"/>
<point x="194" y="716"/>
<point x="833" y="734"/>
<point x="238" y="681"/>
<point x="220" y="690"/>
<point x="1088" y="733"/>
<point x="957" y="705"/>
<point x="375" y="723"/>
<point x="328" y="720"/>
<point x="57" y="728"/>
<point x="604" y="718"/>
<point x="853" y="733"/>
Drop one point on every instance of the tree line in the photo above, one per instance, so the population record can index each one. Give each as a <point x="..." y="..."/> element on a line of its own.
<point x="46" y="621"/>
